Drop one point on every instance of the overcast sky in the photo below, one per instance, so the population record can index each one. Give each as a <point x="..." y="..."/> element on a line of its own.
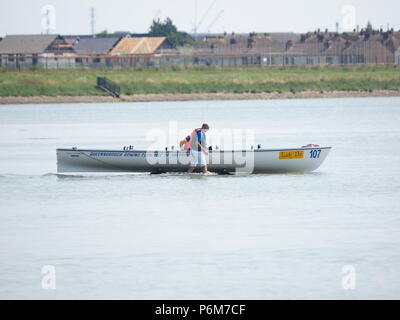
<point x="73" y="16"/>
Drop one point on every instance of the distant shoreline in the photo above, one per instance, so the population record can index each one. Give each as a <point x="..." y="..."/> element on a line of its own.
<point x="208" y="83"/>
<point x="198" y="97"/>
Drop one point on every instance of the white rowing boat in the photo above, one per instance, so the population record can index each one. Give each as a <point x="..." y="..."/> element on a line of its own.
<point x="302" y="159"/>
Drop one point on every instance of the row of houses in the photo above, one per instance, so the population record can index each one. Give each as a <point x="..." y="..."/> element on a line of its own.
<point x="56" y="51"/>
<point x="254" y="49"/>
<point x="302" y="49"/>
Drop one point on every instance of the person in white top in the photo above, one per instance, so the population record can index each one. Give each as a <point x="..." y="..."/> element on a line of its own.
<point x="198" y="149"/>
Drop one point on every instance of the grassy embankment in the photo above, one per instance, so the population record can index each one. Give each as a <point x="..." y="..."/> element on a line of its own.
<point x="81" y="82"/>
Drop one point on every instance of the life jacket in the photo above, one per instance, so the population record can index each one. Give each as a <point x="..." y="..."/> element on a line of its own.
<point x="310" y="145"/>
<point x="194" y="140"/>
<point x="189" y="141"/>
<point x="185" y="143"/>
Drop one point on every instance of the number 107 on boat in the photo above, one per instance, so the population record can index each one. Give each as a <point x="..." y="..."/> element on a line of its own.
<point x="315" y="153"/>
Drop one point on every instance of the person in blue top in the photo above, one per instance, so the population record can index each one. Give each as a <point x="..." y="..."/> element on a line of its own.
<point x="198" y="149"/>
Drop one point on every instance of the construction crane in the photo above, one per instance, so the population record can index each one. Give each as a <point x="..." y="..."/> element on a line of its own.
<point x="205" y="15"/>
<point x="197" y="25"/>
<point x="214" y="21"/>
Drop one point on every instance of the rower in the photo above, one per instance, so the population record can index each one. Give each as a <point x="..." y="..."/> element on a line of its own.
<point x="185" y="144"/>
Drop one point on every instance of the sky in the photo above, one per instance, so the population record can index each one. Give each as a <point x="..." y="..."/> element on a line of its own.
<point x="73" y="16"/>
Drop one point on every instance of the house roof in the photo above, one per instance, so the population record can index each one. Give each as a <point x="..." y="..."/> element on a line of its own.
<point x="306" y="48"/>
<point x="370" y="48"/>
<point x="93" y="46"/>
<point x="284" y="36"/>
<point x="144" y="45"/>
<point x="261" y="42"/>
<point x="394" y="44"/>
<point x="26" y="44"/>
<point x="71" y="40"/>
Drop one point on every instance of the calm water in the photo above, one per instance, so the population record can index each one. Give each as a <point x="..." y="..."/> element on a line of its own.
<point x="176" y="236"/>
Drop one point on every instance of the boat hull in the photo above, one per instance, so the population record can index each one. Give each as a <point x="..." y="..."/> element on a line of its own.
<point x="238" y="161"/>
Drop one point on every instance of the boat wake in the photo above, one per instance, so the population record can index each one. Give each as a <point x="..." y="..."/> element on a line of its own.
<point x="58" y="175"/>
<point x="93" y="176"/>
<point x="127" y="175"/>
